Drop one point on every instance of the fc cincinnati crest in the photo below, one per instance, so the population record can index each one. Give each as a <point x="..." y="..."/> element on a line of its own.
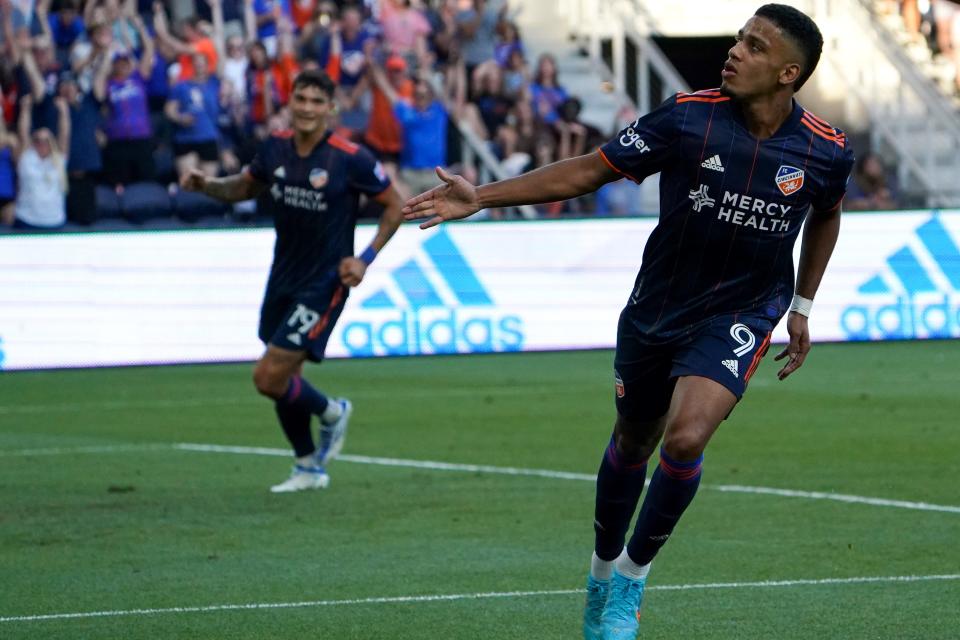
<point x="789" y="179"/>
<point x="318" y="178"/>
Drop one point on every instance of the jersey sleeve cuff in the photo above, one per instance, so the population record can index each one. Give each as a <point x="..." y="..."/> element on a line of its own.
<point x="615" y="167"/>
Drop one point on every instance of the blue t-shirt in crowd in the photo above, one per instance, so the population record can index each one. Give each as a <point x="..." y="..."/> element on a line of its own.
<point x="157" y="84"/>
<point x="85" y="117"/>
<point x="200" y="100"/>
<point x="8" y="190"/>
<point x="265" y="7"/>
<point x="424" y="135"/>
<point x="64" y="35"/>
<point x="353" y="61"/>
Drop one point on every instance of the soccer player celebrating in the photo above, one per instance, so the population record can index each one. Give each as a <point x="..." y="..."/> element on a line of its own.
<point x="315" y="179"/>
<point x="742" y="167"/>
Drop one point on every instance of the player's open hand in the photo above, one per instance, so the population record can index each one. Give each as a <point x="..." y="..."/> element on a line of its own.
<point x="454" y="199"/>
<point x="193" y="181"/>
<point x="799" y="345"/>
<point x="351" y="271"/>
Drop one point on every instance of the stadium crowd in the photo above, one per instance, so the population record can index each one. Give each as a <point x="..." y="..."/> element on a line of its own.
<point x="107" y="102"/>
<point x="937" y="22"/>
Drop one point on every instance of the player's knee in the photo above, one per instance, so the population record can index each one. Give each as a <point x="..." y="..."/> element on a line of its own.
<point x="635" y="441"/>
<point x="684" y="441"/>
<point x="270" y="381"/>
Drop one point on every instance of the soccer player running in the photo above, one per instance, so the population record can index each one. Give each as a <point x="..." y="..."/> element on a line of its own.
<point x="315" y="179"/>
<point x="741" y="168"/>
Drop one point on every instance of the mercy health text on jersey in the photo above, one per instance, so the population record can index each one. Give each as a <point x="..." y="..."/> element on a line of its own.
<point x="434" y="304"/>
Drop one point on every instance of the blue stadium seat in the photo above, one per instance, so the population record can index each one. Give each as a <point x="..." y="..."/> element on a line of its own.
<point x="144" y="201"/>
<point x="108" y="203"/>
<point x="191" y="207"/>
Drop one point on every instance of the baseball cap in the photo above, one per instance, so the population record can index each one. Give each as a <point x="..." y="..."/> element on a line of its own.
<point x="396" y="63"/>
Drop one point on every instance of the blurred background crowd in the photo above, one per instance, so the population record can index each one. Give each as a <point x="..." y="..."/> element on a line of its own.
<point x="106" y="102"/>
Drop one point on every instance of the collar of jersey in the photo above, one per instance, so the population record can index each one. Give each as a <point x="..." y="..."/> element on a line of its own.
<point x="789" y="125"/>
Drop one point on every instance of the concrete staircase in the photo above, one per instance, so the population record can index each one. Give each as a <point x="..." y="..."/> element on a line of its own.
<point x="544" y="30"/>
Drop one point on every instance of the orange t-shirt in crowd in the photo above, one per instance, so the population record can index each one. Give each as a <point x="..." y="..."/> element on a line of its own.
<point x="259" y="82"/>
<point x="207" y="49"/>
<point x="301" y="11"/>
<point x="284" y="71"/>
<point x="384" y="131"/>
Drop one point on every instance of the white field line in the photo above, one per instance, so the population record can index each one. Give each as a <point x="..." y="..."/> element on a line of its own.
<point x="765" y="584"/>
<point x="839" y="497"/>
<point x="488" y="469"/>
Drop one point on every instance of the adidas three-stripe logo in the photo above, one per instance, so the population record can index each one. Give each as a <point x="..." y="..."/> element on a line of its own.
<point x="914" y="275"/>
<point x="713" y="163"/>
<point x="419" y="290"/>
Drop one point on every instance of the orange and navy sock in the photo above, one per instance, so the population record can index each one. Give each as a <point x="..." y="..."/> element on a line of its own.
<point x="619" y="485"/>
<point x="672" y="488"/>
<point x="294" y="411"/>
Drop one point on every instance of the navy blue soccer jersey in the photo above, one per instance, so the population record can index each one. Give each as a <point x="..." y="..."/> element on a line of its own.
<point x="731" y="207"/>
<point x="315" y="203"/>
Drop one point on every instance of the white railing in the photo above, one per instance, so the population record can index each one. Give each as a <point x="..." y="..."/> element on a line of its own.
<point x="595" y="21"/>
<point x="909" y="117"/>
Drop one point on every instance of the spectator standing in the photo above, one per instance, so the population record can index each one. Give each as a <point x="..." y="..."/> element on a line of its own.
<point x="477" y="31"/>
<point x="41" y="171"/>
<point x="192" y="39"/>
<point x="545" y="92"/>
<point x="384" y="136"/>
<point x="128" y="156"/>
<point x="267" y="13"/>
<point x="314" y="34"/>
<point x="405" y="30"/>
<point x="194" y="109"/>
<point x="83" y="157"/>
<point x="38" y="72"/>
<point x="87" y="55"/>
<point x="65" y="26"/>
<point x="9" y="152"/>
<point x="424" y="131"/>
<point x="262" y="96"/>
<point x="353" y="42"/>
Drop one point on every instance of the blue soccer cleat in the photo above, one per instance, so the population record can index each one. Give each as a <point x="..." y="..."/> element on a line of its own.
<point x="332" y="436"/>
<point x="596" y="599"/>
<point x="621" y="615"/>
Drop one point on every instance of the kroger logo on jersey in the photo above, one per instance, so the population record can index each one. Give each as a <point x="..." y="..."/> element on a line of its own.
<point x="438" y="305"/>
<point x="916" y="294"/>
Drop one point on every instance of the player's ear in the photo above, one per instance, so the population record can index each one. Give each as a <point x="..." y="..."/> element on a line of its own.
<point x="789" y="73"/>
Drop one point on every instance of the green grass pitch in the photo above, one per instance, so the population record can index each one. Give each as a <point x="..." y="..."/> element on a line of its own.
<point x="100" y="513"/>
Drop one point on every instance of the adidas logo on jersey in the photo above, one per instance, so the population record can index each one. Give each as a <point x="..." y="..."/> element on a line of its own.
<point x="732" y="366"/>
<point x="713" y="163"/>
<point x="295" y="338"/>
<point x="280" y="173"/>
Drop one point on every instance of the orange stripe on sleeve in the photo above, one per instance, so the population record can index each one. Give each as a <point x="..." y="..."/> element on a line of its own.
<point x="611" y="165"/>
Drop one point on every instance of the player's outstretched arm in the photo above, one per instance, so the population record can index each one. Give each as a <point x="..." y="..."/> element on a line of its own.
<point x="820" y="234"/>
<point x="235" y="188"/>
<point x="456" y="198"/>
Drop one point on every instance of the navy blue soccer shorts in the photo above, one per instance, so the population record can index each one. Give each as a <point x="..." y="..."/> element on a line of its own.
<point x="728" y="350"/>
<point x="302" y="322"/>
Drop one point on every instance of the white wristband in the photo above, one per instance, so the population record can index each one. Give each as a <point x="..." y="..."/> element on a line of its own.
<point x="801" y="305"/>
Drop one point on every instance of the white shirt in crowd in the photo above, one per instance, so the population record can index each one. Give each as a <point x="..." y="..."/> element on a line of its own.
<point x="41" y="200"/>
